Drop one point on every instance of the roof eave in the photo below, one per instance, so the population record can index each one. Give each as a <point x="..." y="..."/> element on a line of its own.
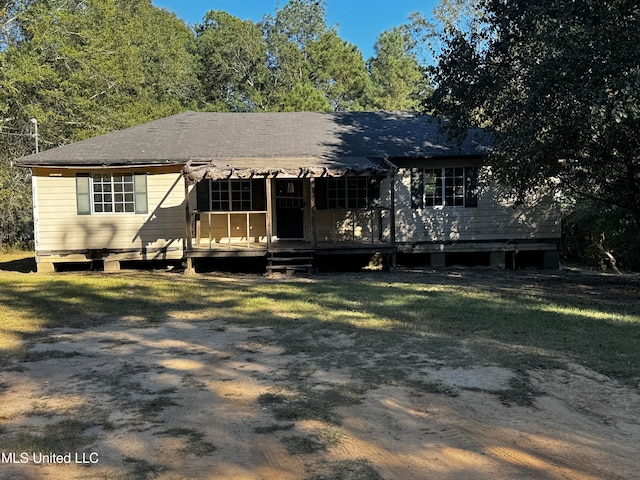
<point x="24" y="163"/>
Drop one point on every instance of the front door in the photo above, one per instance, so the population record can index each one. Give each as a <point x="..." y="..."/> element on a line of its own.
<point x="290" y="209"/>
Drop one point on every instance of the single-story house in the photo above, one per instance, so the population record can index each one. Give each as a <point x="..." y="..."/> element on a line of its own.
<point x="292" y="188"/>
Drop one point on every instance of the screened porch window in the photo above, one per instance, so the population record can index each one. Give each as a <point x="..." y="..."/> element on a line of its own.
<point x="231" y="195"/>
<point x="347" y="192"/>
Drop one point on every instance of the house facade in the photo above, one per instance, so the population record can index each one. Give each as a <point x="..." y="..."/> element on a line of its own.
<point x="290" y="188"/>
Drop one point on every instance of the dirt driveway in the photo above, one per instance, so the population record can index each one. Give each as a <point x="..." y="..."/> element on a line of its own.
<point x="209" y="399"/>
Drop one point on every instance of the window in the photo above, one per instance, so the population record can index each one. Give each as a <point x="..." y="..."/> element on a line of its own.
<point x="111" y="193"/>
<point x="231" y="195"/>
<point x="347" y="192"/>
<point x="449" y="186"/>
<point x="219" y="196"/>
<point x="289" y="193"/>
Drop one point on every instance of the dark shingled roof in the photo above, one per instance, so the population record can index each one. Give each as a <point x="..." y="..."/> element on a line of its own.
<point x="229" y="139"/>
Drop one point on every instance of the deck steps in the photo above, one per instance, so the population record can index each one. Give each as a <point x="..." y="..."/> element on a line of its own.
<point x="290" y="263"/>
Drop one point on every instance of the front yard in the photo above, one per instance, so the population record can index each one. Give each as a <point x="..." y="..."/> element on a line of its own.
<point x="448" y="374"/>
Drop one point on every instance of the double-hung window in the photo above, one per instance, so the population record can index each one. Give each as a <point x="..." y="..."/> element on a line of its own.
<point x="445" y="187"/>
<point x="111" y="193"/>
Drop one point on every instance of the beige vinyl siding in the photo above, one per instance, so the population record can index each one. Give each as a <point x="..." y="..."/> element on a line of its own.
<point x="493" y="218"/>
<point x="61" y="229"/>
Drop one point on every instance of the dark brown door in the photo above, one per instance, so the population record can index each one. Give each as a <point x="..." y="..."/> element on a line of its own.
<point x="290" y="209"/>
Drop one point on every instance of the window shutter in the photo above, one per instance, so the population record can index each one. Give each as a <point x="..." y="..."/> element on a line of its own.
<point x="471" y="187"/>
<point x="417" y="188"/>
<point x="83" y="194"/>
<point x="140" y="188"/>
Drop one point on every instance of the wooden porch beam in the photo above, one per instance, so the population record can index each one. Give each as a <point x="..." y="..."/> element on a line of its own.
<point x="189" y="230"/>
<point x="268" y="180"/>
<point x="393" y="208"/>
<point x="312" y="204"/>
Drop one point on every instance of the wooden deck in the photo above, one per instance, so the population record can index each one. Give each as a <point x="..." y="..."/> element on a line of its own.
<point x="261" y="249"/>
<point x="289" y="257"/>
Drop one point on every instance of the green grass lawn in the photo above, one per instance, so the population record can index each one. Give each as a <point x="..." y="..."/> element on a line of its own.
<point x="517" y="326"/>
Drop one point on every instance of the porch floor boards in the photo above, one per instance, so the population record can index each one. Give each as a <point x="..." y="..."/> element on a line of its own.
<point x="292" y="247"/>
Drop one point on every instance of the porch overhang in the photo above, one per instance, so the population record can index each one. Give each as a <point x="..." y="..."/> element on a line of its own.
<point x="308" y="167"/>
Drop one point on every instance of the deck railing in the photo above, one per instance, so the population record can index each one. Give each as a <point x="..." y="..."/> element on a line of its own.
<point x="339" y="226"/>
<point x="352" y="225"/>
<point x="230" y="239"/>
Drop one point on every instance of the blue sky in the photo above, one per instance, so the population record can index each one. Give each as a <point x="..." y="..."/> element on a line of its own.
<point x="359" y="21"/>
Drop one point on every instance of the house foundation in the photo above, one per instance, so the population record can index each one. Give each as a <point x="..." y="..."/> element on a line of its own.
<point x="46" y="267"/>
<point x="551" y="260"/>
<point x="438" y="259"/>
<point x="498" y="259"/>
<point x="111" y="266"/>
<point x="108" y="260"/>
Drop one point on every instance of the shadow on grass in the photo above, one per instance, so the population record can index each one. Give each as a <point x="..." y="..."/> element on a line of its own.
<point x="533" y="328"/>
<point x="20" y="265"/>
<point x="515" y="324"/>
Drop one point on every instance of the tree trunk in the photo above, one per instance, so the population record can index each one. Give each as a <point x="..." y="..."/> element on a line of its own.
<point x="610" y="258"/>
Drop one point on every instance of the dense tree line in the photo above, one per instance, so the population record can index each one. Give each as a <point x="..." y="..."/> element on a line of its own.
<point x="82" y="68"/>
<point x="87" y="67"/>
<point x="557" y="83"/>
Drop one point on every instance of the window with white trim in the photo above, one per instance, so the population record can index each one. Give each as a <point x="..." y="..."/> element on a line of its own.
<point x="445" y="187"/>
<point x="111" y="193"/>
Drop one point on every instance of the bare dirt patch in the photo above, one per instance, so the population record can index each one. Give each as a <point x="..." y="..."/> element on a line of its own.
<point x="200" y="398"/>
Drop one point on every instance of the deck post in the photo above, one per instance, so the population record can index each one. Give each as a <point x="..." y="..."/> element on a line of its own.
<point x="248" y="230"/>
<point x="187" y="211"/>
<point x="371" y="215"/>
<point x="353" y="226"/>
<point x="268" y="180"/>
<point x="312" y="204"/>
<point x="189" y="230"/>
<point x="334" y="230"/>
<point x="393" y="209"/>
